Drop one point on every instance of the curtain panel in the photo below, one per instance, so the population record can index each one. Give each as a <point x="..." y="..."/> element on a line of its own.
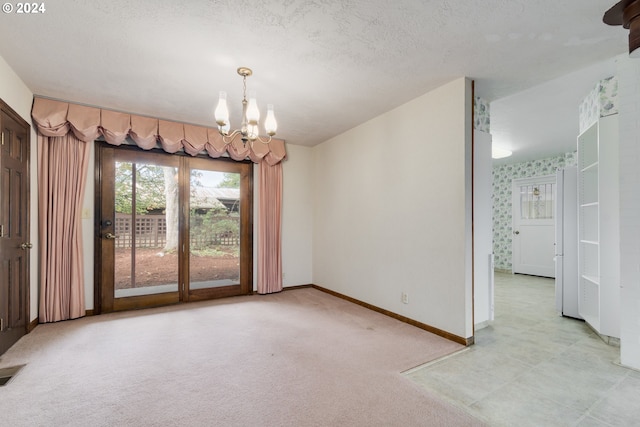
<point x="57" y="118"/>
<point x="270" y="229"/>
<point x="62" y="175"/>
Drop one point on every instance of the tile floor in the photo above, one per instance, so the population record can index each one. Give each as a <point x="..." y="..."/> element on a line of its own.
<point x="532" y="367"/>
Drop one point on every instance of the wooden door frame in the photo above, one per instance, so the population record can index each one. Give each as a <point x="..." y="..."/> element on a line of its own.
<point x="246" y="226"/>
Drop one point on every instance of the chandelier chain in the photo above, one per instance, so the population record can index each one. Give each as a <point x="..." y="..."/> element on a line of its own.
<point x="244" y="87"/>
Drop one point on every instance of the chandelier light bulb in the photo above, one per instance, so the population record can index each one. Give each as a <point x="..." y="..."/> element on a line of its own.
<point x="253" y="113"/>
<point x="222" y="110"/>
<point x="270" y="123"/>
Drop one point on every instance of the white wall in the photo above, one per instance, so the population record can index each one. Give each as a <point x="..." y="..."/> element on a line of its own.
<point x="392" y="210"/>
<point x="629" y="120"/>
<point x="17" y="95"/>
<point x="297" y="216"/>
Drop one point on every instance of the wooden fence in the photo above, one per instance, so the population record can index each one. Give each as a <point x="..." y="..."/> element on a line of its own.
<point x="151" y="232"/>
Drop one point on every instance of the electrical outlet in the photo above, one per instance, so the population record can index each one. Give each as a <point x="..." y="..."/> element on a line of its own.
<point x="405" y="298"/>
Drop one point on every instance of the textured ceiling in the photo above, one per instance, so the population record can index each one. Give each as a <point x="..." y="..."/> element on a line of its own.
<point x="327" y="65"/>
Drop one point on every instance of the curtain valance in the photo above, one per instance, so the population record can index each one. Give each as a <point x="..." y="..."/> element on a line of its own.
<point x="57" y="118"/>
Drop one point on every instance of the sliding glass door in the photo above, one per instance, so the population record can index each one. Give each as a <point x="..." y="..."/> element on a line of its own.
<point x="219" y="231"/>
<point x="171" y="228"/>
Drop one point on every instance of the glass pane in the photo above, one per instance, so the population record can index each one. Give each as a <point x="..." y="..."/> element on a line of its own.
<point x="537" y="201"/>
<point x="214" y="229"/>
<point x="146" y="205"/>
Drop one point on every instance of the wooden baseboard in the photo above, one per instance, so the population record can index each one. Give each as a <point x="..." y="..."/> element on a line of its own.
<point x="32" y="325"/>
<point x="428" y="328"/>
<point x="292" y="288"/>
<point x="88" y="313"/>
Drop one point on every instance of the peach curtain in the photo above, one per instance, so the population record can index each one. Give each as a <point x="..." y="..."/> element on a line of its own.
<point x="57" y="118"/>
<point x="62" y="175"/>
<point x="269" y="229"/>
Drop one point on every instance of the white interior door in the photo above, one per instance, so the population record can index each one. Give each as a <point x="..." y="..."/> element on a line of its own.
<point x="534" y="225"/>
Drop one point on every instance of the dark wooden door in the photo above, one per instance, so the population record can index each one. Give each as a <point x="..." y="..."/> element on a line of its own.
<point x="14" y="227"/>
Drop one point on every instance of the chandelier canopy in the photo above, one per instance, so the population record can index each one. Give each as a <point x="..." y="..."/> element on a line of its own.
<point x="250" y="116"/>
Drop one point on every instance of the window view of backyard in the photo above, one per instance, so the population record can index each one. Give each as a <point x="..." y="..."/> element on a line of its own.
<point x="146" y="226"/>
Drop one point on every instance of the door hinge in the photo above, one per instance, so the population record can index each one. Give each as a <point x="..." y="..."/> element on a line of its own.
<point x="1" y="230"/>
<point x="2" y="138"/>
<point x="1" y="324"/>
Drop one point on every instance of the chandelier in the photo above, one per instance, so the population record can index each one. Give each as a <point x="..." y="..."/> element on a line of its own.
<point x="250" y="116"/>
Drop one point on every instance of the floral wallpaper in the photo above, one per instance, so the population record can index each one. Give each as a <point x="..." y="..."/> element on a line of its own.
<point x="602" y="101"/>
<point x="502" y="177"/>
<point x="481" y="117"/>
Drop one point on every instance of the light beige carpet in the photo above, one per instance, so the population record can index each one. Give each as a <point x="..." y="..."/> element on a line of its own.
<point x="297" y="358"/>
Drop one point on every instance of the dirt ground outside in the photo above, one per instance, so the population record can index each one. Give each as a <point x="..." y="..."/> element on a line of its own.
<point x="153" y="267"/>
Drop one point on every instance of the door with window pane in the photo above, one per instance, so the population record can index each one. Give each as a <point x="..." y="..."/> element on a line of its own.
<point x="218" y="229"/>
<point x="533" y="237"/>
<point x="171" y="228"/>
<point x="138" y="229"/>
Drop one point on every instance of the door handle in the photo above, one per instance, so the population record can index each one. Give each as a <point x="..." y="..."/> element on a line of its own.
<point x="516" y="232"/>
<point x="26" y="246"/>
<point x="110" y="236"/>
